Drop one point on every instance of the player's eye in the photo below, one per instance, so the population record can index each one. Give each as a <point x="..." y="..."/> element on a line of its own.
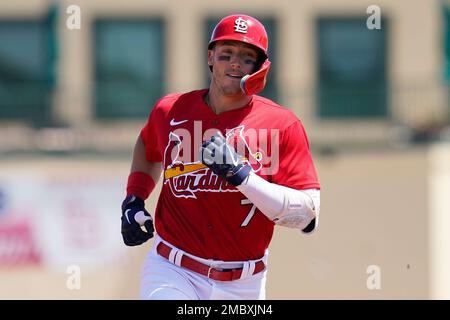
<point x="250" y="61"/>
<point x="224" y="58"/>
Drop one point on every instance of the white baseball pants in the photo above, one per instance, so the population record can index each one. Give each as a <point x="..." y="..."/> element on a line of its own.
<point x="163" y="280"/>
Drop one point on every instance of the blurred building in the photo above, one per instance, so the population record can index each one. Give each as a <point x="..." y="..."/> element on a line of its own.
<point x="80" y="77"/>
<point x="349" y="84"/>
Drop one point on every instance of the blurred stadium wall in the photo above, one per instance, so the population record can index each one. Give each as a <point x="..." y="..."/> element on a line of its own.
<point x="375" y="105"/>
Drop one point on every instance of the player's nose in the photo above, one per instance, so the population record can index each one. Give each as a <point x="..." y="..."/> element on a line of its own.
<point x="235" y="62"/>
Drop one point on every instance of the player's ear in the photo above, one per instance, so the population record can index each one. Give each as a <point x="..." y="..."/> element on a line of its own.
<point x="210" y="57"/>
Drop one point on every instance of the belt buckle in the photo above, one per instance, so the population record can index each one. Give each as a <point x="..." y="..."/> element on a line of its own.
<point x="209" y="271"/>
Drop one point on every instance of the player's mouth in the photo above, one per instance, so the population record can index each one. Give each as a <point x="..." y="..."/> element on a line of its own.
<point x="235" y="76"/>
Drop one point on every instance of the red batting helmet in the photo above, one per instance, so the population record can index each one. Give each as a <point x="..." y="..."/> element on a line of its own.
<point x="241" y="27"/>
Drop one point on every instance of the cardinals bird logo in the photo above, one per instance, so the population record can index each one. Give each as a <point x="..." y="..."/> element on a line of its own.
<point x="187" y="178"/>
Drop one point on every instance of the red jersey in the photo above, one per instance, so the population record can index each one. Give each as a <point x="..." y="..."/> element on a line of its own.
<point x="200" y="212"/>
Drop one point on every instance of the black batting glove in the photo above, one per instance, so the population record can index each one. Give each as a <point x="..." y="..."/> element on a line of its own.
<point x="223" y="160"/>
<point x="134" y="216"/>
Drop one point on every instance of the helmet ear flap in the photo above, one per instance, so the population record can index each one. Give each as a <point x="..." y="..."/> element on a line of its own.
<point x="255" y="82"/>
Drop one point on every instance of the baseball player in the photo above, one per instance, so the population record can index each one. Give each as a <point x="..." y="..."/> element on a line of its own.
<point x="234" y="165"/>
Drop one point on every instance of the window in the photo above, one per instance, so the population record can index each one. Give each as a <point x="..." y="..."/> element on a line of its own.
<point x="352" y="69"/>
<point x="445" y="8"/>
<point x="24" y="71"/>
<point x="446" y="35"/>
<point x="271" y="89"/>
<point x="129" y="67"/>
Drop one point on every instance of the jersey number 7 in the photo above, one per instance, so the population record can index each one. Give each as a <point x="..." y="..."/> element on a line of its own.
<point x="250" y="213"/>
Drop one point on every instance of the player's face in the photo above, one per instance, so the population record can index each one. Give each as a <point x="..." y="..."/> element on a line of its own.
<point x="231" y="60"/>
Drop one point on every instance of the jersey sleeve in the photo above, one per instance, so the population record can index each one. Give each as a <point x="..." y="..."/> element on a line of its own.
<point x="149" y="137"/>
<point x="296" y="168"/>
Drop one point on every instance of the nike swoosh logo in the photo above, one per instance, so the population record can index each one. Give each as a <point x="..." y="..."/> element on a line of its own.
<point x="126" y="215"/>
<point x="175" y="123"/>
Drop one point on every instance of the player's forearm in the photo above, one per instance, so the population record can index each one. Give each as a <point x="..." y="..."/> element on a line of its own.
<point x="293" y="208"/>
<point x="140" y="163"/>
<point x="143" y="174"/>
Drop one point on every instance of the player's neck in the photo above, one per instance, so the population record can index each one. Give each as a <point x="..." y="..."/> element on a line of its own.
<point x="221" y="103"/>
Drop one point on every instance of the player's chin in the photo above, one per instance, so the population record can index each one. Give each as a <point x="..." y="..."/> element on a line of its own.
<point x="232" y="89"/>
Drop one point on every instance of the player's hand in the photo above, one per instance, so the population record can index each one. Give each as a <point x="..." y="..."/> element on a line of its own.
<point x="134" y="216"/>
<point x="223" y="160"/>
